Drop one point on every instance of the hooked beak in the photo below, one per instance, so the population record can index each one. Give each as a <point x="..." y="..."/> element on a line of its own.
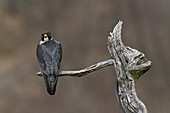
<point x="45" y="36"/>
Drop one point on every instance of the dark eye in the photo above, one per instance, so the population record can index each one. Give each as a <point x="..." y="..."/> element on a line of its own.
<point x="49" y="36"/>
<point x="42" y="38"/>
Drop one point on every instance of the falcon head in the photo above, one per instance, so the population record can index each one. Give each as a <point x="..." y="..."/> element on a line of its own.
<point x="45" y="37"/>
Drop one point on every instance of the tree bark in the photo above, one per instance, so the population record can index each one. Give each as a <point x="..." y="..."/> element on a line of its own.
<point x="129" y="64"/>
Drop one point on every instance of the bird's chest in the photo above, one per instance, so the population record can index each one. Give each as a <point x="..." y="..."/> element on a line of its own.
<point x="49" y="51"/>
<point x="49" y="48"/>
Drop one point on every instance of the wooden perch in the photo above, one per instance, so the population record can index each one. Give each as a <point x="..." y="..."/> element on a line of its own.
<point x="85" y="71"/>
<point x="129" y="64"/>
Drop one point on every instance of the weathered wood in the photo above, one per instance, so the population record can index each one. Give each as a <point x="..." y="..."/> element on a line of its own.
<point x="85" y="71"/>
<point x="129" y="64"/>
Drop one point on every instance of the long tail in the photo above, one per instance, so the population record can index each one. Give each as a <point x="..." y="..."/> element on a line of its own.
<point x="51" y="82"/>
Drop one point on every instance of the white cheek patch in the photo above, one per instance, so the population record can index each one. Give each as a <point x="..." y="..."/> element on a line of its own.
<point x="45" y="40"/>
<point x="41" y="42"/>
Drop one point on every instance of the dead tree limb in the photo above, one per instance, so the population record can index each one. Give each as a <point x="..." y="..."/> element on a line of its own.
<point x="129" y="64"/>
<point x="85" y="71"/>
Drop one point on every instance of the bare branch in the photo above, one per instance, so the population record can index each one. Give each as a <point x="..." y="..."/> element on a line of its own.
<point x="85" y="71"/>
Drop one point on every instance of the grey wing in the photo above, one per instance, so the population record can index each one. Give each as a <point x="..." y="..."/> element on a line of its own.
<point x="57" y="57"/>
<point x="40" y="58"/>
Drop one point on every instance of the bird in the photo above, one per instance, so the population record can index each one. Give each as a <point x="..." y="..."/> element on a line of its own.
<point x="49" y="56"/>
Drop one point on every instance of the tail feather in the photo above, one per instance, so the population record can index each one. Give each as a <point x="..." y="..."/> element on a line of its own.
<point x="51" y="82"/>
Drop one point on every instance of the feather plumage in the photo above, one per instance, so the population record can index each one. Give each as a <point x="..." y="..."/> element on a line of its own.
<point x="49" y="55"/>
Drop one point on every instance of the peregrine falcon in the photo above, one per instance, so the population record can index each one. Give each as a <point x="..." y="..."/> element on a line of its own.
<point x="49" y="55"/>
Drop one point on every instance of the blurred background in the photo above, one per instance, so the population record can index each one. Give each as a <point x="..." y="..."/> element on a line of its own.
<point x="82" y="26"/>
